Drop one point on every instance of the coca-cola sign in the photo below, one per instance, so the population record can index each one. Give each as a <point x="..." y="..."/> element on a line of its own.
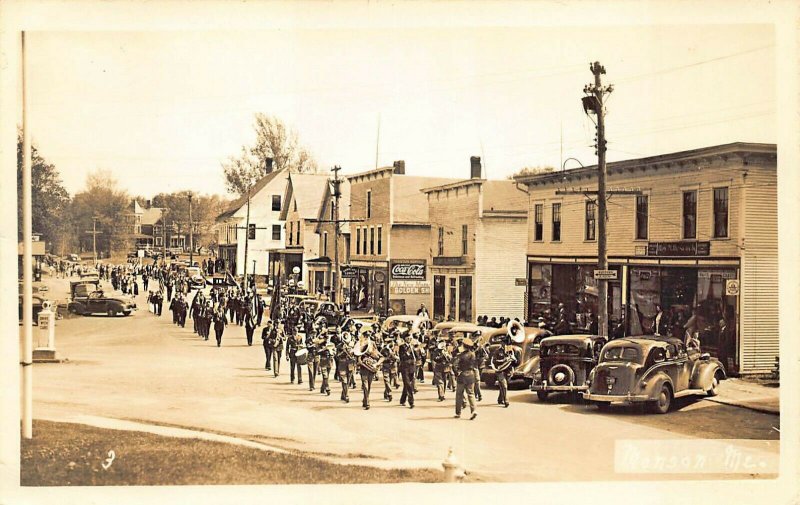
<point x="409" y="270"/>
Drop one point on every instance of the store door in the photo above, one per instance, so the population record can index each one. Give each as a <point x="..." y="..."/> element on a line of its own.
<point x="451" y="307"/>
<point x="438" y="297"/>
<point x="465" y="298"/>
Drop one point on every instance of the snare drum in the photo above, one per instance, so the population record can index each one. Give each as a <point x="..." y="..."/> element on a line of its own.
<point x="301" y="356"/>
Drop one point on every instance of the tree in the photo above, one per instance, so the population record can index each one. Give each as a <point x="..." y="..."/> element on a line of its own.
<point x="105" y="201"/>
<point x="49" y="201"/>
<point x="204" y="209"/>
<point x="273" y="140"/>
<point x="531" y="171"/>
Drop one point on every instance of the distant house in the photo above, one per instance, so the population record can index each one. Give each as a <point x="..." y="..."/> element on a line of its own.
<point x="265" y="233"/>
<point x="139" y="224"/>
<point x="303" y="197"/>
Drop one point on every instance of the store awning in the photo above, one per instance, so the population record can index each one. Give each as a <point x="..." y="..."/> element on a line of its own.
<point x="322" y="260"/>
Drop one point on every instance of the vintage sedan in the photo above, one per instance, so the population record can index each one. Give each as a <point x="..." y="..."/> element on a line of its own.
<point x="525" y="344"/>
<point x="85" y="300"/>
<point x="652" y="370"/>
<point x="407" y="323"/>
<point x="565" y="362"/>
<point x="323" y="311"/>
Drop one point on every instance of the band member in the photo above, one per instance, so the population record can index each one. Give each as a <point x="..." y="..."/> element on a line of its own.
<point x="369" y="362"/>
<point x="280" y="337"/>
<point x="421" y="358"/>
<point x="219" y="324"/>
<point x="408" y="366"/>
<point x="387" y="369"/>
<point x="481" y="356"/>
<point x="441" y="364"/>
<point x="465" y="366"/>
<point x="325" y="357"/>
<point x="268" y="337"/>
<point x="249" y="326"/>
<point x="503" y="361"/>
<point x="312" y="362"/>
<point x="344" y="363"/>
<point x="294" y="344"/>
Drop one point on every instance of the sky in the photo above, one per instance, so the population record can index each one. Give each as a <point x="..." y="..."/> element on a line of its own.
<point x="161" y="110"/>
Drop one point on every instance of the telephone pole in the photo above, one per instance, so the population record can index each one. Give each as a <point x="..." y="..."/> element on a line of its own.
<point x="336" y="195"/>
<point x="94" y="234"/>
<point x="191" y="233"/>
<point x="593" y="102"/>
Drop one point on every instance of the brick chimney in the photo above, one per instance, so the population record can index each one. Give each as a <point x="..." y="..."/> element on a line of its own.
<point x="475" y="167"/>
<point x="399" y="167"/>
<point x="268" y="166"/>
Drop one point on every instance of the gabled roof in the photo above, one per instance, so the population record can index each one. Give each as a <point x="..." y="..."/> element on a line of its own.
<point x="344" y="204"/>
<point x="304" y="192"/>
<point x="242" y="200"/>
<point x="151" y="215"/>
<point x="504" y="196"/>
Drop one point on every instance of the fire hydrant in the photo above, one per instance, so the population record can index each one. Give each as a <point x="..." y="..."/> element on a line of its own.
<point x="453" y="471"/>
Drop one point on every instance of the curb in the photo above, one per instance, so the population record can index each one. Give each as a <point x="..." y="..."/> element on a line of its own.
<point x="763" y="410"/>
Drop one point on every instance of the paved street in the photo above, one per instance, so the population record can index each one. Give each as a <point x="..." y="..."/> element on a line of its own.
<point x="144" y="368"/>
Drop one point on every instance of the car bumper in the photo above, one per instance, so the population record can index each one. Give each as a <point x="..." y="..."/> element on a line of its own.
<point x="541" y="387"/>
<point x="516" y="376"/>
<point x="629" y="398"/>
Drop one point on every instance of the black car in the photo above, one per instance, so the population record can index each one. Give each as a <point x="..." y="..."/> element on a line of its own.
<point x="565" y="362"/>
<point x="86" y="298"/>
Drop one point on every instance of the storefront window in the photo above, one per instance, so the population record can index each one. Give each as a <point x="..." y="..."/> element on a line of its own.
<point x="676" y="301"/>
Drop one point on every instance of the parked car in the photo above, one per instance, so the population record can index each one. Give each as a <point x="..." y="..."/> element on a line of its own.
<point x="407" y="323"/>
<point x="37" y="307"/>
<point x="526" y="348"/>
<point x="653" y="370"/>
<point x="86" y="298"/>
<point x="329" y="311"/>
<point x="565" y="362"/>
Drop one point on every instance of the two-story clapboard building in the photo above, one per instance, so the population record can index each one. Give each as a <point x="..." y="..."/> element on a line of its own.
<point x="697" y="247"/>
<point x="264" y="235"/>
<point x="478" y="239"/>
<point x="303" y="197"/>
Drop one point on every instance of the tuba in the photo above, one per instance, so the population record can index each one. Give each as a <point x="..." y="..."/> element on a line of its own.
<point x="516" y="332"/>
<point x="365" y="355"/>
<point x="508" y="364"/>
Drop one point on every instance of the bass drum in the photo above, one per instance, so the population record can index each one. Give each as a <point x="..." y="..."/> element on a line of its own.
<point x="301" y="356"/>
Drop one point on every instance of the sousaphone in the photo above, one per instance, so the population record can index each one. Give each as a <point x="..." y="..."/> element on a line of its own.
<point x="516" y="332"/>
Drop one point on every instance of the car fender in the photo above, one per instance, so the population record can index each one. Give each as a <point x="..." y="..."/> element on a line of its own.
<point x="706" y="373"/>
<point x="76" y="307"/>
<point x="654" y="382"/>
<point x="530" y="367"/>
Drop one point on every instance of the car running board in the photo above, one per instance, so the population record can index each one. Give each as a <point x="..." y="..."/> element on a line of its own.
<point x="688" y="392"/>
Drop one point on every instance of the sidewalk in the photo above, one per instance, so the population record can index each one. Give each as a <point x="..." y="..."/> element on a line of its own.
<point x="749" y="395"/>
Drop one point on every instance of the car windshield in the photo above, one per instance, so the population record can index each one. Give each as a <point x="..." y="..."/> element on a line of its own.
<point x="621" y="354"/>
<point x="561" y="350"/>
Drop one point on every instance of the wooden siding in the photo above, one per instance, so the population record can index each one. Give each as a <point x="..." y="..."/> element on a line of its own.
<point x="759" y="333"/>
<point x="499" y="260"/>
<point x="664" y="188"/>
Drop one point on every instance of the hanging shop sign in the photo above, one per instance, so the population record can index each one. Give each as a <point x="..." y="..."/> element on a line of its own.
<point x="409" y="270"/>
<point x="693" y="248"/>
<point x="409" y="287"/>
<point x="349" y="271"/>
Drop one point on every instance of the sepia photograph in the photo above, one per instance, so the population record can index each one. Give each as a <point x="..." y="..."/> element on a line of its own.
<point x="431" y="247"/>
